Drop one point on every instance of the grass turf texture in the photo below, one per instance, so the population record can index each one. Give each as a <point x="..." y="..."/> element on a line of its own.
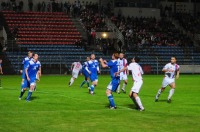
<point x="55" y="107"/>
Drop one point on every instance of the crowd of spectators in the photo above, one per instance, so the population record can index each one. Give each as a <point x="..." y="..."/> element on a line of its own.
<point x="141" y="32"/>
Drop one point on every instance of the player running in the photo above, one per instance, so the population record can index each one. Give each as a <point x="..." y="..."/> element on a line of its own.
<point x="123" y="75"/>
<point x="75" y="68"/>
<point x="32" y="70"/>
<point x="171" y="70"/>
<point x="25" y="63"/>
<point x="114" y="68"/>
<point x="92" y="68"/>
<point x="137" y="72"/>
<point x="85" y="73"/>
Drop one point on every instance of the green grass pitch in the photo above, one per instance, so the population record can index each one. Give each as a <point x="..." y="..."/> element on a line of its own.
<point x="55" y="107"/>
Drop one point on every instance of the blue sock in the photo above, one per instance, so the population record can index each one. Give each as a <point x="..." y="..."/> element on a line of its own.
<point x="88" y="84"/>
<point x="111" y="100"/>
<point x="82" y="83"/>
<point x="29" y="95"/>
<point x="92" y="88"/>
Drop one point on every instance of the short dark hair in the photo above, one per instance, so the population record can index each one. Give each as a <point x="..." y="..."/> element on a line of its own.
<point x="174" y="57"/>
<point x="137" y="59"/>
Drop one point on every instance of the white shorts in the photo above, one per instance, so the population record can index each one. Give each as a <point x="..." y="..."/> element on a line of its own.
<point x="137" y="86"/>
<point x="74" y="74"/>
<point x="167" y="81"/>
<point x="123" y="77"/>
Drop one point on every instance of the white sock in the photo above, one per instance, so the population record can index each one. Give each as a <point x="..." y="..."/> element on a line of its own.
<point x="118" y="89"/>
<point x="71" y="81"/>
<point x="124" y="86"/>
<point x="171" y="92"/>
<point x="139" y="102"/>
<point x="158" y="94"/>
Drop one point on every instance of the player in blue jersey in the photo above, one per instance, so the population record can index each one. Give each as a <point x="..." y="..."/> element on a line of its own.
<point x="115" y="79"/>
<point x="25" y="62"/>
<point x="85" y="73"/>
<point x="92" y="68"/>
<point x="32" y="69"/>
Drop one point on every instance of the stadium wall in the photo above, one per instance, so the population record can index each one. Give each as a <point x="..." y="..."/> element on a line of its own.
<point x="138" y="12"/>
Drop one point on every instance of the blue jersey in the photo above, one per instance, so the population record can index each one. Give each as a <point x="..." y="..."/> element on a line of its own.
<point x="33" y="68"/>
<point x="114" y="67"/>
<point x="93" y="66"/>
<point x="84" y="65"/>
<point x="25" y="62"/>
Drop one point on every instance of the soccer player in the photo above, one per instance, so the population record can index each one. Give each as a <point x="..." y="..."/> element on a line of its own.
<point x="123" y="75"/>
<point x="92" y="68"/>
<point x="25" y="62"/>
<point x="137" y="72"/>
<point x="75" y="67"/>
<point x="171" y="70"/>
<point x="32" y="70"/>
<point x="115" y="79"/>
<point x="85" y="73"/>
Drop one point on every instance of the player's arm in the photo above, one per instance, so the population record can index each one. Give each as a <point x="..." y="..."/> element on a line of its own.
<point x="177" y="74"/>
<point x="27" y="74"/>
<point x="102" y="62"/>
<point x="1" y="70"/>
<point x="39" y="74"/>
<point x="72" y="66"/>
<point x="86" y="68"/>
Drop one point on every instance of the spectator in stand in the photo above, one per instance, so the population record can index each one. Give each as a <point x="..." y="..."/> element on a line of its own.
<point x="30" y="5"/>
<point x="43" y="6"/>
<point x="39" y="7"/>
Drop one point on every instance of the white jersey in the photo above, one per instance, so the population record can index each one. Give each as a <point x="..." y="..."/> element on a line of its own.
<point x="136" y="70"/>
<point x="173" y="67"/>
<point x="122" y="63"/>
<point x="77" y="67"/>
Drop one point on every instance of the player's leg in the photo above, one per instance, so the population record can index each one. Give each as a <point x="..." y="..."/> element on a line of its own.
<point x="23" y="88"/>
<point x="165" y="83"/>
<point x="32" y="87"/>
<point x="74" y="76"/>
<point x="124" y="84"/>
<point x="171" y="92"/>
<point x="133" y="99"/>
<point x="92" y="87"/>
<point x="118" y="88"/>
<point x="136" y="88"/>
<point x="113" y="85"/>
<point x="85" y="81"/>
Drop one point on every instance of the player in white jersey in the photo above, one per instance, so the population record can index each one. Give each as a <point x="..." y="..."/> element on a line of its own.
<point x="137" y="72"/>
<point x="123" y="75"/>
<point x="75" y="67"/>
<point x="171" y="70"/>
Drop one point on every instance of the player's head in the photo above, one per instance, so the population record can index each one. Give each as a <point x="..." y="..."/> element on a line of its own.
<point x="115" y="56"/>
<point x="30" y="54"/>
<point x="35" y="57"/>
<point x="121" y="55"/>
<point x="92" y="56"/>
<point x="87" y="58"/>
<point x="173" y="59"/>
<point x="136" y="59"/>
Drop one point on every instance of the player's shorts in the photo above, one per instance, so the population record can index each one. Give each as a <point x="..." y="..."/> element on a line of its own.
<point x="93" y="77"/>
<point x="137" y="86"/>
<point x="23" y="74"/>
<point x="27" y="84"/>
<point x="123" y="77"/>
<point x="167" y="81"/>
<point x="74" y="74"/>
<point x="86" y="74"/>
<point x="113" y="85"/>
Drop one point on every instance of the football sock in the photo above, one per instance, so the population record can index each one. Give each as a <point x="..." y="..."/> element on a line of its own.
<point x="124" y="86"/>
<point x="92" y="88"/>
<point x="139" y="102"/>
<point x="82" y="83"/>
<point x="22" y="93"/>
<point x="158" y="94"/>
<point x="118" y="88"/>
<point x="29" y="95"/>
<point x="134" y="101"/>
<point x="71" y="81"/>
<point x="111" y="100"/>
<point x="171" y="92"/>
<point x="88" y="83"/>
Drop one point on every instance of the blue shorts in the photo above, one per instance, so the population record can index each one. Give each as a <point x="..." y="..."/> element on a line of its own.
<point x="93" y="77"/>
<point x="86" y="74"/>
<point x="27" y="84"/>
<point x="113" y="85"/>
<point x="23" y="74"/>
